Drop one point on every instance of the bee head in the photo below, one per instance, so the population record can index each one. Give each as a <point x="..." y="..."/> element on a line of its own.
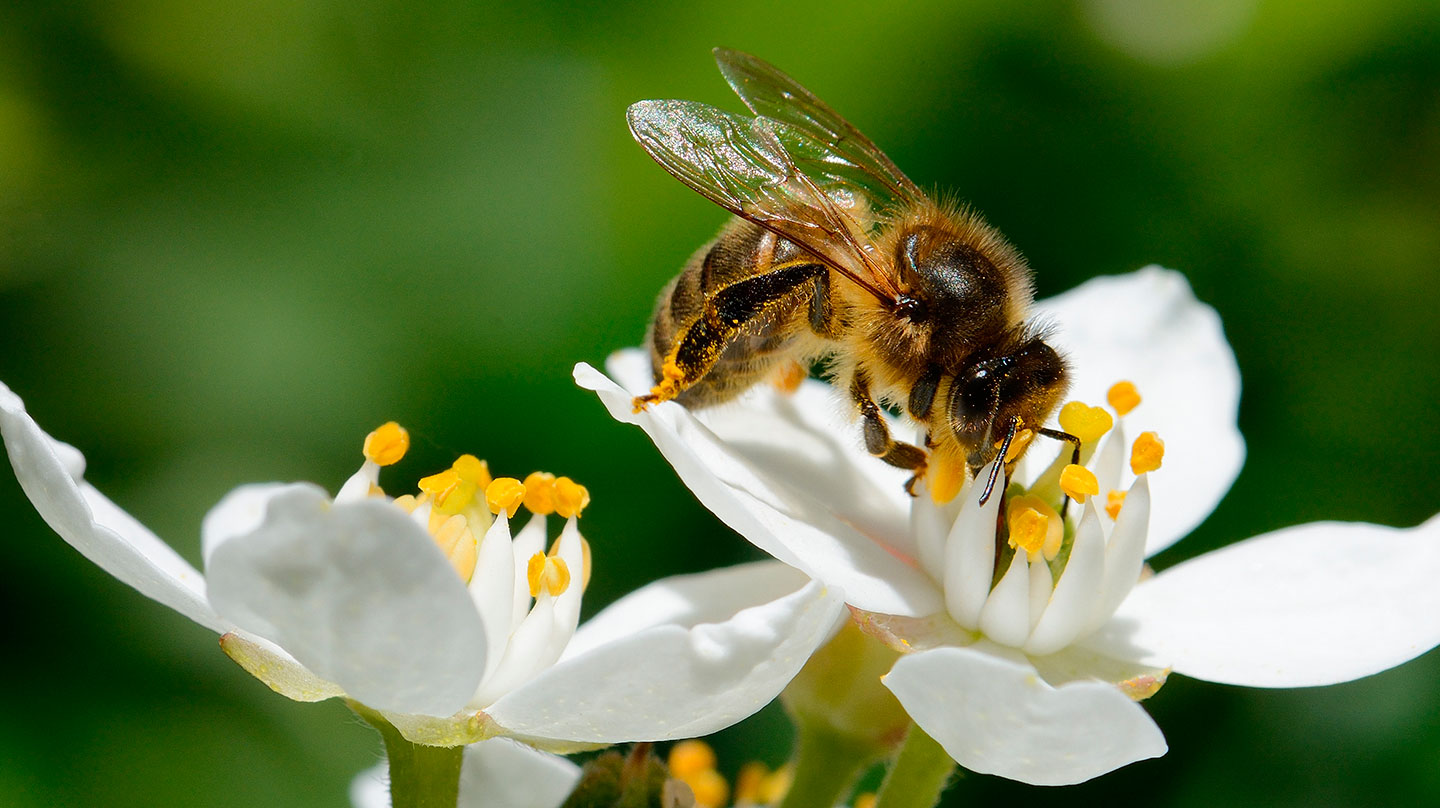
<point x="1021" y="386"/>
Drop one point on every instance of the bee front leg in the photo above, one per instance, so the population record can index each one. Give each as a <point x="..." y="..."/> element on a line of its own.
<point x="877" y="435"/>
<point x="726" y="313"/>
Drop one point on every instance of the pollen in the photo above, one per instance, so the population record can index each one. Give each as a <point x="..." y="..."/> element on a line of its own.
<point x="1035" y="527"/>
<point x="1079" y="482"/>
<point x="1147" y="453"/>
<point x="1114" y="501"/>
<point x="448" y="490"/>
<point x="1017" y="445"/>
<point x="688" y="757"/>
<point x="1123" y="397"/>
<point x="866" y="800"/>
<point x="1084" y="421"/>
<point x="945" y="476"/>
<point x="548" y="574"/>
<point x="387" y="444"/>
<point x="540" y="493"/>
<point x="473" y="470"/>
<point x="788" y="377"/>
<point x="505" y="494"/>
<point x="570" y="497"/>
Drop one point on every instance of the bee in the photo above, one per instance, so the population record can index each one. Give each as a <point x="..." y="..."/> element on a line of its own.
<point x="833" y="254"/>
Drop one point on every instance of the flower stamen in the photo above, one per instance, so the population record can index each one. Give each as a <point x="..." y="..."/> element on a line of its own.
<point x="1079" y="482"/>
<point x="547" y="573"/>
<point x="1017" y="444"/>
<point x="540" y="493"/>
<point x="1035" y="527"/>
<point x="387" y="444"/>
<point x="1146" y="454"/>
<point x="449" y="492"/>
<point x="570" y="497"/>
<point x="1114" y="501"/>
<point x="505" y="494"/>
<point x="1084" y="421"/>
<point x="1123" y="397"/>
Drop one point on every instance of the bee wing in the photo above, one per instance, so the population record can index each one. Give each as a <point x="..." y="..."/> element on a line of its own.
<point x="824" y="145"/>
<point x="743" y="165"/>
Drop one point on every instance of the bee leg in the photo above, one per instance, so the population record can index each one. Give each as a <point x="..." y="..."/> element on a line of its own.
<point x="1074" y="442"/>
<point x="726" y="313"/>
<point x="877" y="435"/>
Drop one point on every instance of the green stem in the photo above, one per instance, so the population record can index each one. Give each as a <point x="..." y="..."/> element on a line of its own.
<point x="919" y="775"/>
<point x="826" y="765"/>
<point x="420" y="776"/>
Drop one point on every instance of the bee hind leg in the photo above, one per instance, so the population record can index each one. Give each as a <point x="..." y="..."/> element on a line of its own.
<point x="878" y="441"/>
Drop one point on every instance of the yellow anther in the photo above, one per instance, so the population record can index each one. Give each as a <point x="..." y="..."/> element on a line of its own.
<point x="1147" y="453"/>
<point x="548" y="574"/>
<point x="458" y="544"/>
<point x="776" y="785"/>
<point x="749" y="782"/>
<point x="1084" y="421"/>
<point x="866" y="800"/>
<point x="1123" y="397"/>
<point x="570" y="497"/>
<point x="585" y="566"/>
<point x="1079" y="482"/>
<point x="387" y="444"/>
<point x="472" y="470"/>
<point x="449" y="492"/>
<point x="540" y="493"/>
<point x="1017" y="445"/>
<point x="407" y="503"/>
<point x="1114" y="501"/>
<point x="688" y="757"/>
<point x="505" y="494"/>
<point x="709" y="787"/>
<point x="945" y="476"/>
<point x="1035" y="527"/>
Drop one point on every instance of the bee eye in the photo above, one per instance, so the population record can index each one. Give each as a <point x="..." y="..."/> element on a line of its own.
<point x="977" y="388"/>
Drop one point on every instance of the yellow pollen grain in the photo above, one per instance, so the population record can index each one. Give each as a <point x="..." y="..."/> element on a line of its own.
<point x="1079" y="482"/>
<point x="866" y="800"/>
<point x="448" y="490"/>
<point x="1123" y="397"/>
<point x="1017" y="445"/>
<point x="548" y="574"/>
<point x="1084" y="421"/>
<point x="472" y="470"/>
<point x="540" y="493"/>
<point x="709" y="787"/>
<point x="688" y="757"/>
<point x="387" y="444"/>
<point x="458" y="544"/>
<point x="1147" y="453"/>
<point x="505" y="494"/>
<point x="1114" y="501"/>
<point x="1035" y="527"/>
<point x="776" y="785"/>
<point x="570" y="497"/>
<point x="945" y="476"/>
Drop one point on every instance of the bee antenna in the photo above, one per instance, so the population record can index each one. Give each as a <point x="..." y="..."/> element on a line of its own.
<point x="1000" y="460"/>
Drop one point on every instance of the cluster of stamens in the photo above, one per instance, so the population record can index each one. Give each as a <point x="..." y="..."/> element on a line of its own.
<point x="460" y="503"/>
<point x="693" y="762"/>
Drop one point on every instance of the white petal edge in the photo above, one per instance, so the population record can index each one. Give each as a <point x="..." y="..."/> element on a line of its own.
<point x="1148" y="327"/>
<point x="358" y="594"/>
<point x="672" y="681"/>
<point x="108" y="536"/>
<point x="997" y="716"/>
<point x="1313" y="604"/>
<point x="498" y="773"/>
<point x="799" y="529"/>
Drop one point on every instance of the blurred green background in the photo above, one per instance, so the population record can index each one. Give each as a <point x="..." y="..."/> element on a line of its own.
<point x="235" y="237"/>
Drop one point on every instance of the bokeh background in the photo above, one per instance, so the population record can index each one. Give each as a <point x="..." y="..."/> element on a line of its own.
<point x="235" y="237"/>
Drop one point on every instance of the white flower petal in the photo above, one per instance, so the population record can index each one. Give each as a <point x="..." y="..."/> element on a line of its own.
<point x="360" y="595"/>
<point x="997" y="716"/>
<point x="1125" y="552"/>
<point x="529" y="541"/>
<point x="92" y="524"/>
<point x="498" y="773"/>
<point x="1148" y="327"/>
<point x="970" y="554"/>
<point x="1313" y="604"/>
<point x="752" y="491"/>
<point x="492" y="588"/>
<point x="1006" y="616"/>
<point x="670" y="681"/>
<point x="237" y="513"/>
<point x="687" y="600"/>
<point x="1077" y="592"/>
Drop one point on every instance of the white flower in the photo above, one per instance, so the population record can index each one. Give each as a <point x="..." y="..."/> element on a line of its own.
<point x="355" y="597"/>
<point x="1016" y="674"/>
<point x="498" y="773"/>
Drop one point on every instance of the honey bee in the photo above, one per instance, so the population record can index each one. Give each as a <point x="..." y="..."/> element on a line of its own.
<point x="835" y="255"/>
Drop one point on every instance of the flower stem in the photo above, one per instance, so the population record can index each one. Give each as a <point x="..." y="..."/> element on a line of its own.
<point x="420" y="776"/>
<point x="826" y="764"/>
<point x="919" y="775"/>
